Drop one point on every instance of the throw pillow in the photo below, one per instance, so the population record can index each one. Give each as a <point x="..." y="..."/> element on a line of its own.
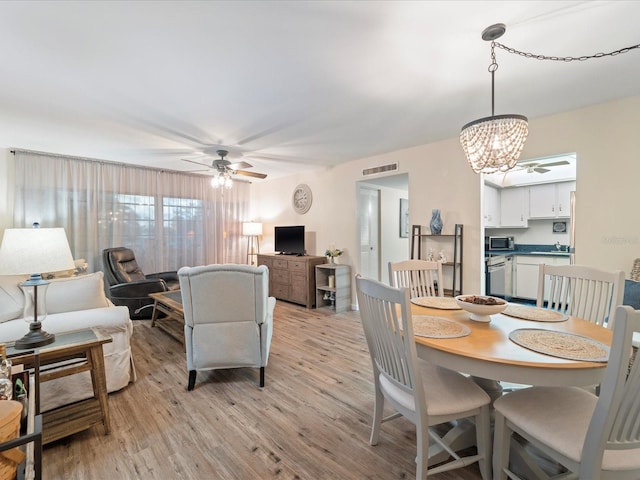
<point x="76" y="293"/>
<point x="11" y="297"/>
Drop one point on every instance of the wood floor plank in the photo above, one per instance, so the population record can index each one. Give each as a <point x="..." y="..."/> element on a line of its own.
<point x="310" y="421"/>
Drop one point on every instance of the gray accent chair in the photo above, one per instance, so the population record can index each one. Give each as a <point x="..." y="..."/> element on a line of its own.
<point x="228" y="317"/>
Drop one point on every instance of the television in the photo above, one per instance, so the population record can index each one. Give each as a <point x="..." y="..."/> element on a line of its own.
<point x="289" y="240"/>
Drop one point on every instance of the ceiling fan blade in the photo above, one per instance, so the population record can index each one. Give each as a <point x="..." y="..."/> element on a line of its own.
<point x="250" y="174"/>
<point x="563" y="162"/>
<point x="239" y="165"/>
<point x="541" y="170"/>
<point x="197" y="163"/>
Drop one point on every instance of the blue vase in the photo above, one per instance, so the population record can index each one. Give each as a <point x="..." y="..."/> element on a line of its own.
<point x="436" y="222"/>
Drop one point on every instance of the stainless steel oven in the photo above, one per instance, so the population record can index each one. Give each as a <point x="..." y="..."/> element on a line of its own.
<point x="499" y="276"/>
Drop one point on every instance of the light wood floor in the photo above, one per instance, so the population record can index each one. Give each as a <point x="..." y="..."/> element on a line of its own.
<point x="311" y="420"/>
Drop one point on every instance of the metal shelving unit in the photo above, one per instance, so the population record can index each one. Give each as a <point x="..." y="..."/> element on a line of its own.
<point x="421" y="241"/>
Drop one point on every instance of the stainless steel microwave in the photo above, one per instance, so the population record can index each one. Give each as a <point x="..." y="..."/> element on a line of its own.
<point x="501" y="243"/>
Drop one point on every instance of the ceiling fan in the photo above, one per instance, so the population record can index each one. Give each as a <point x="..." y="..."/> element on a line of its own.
<point x="224" y="168"/>
<point x="538" y="167"/>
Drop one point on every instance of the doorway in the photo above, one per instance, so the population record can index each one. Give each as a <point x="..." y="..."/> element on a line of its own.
<point x="383" y="226"/>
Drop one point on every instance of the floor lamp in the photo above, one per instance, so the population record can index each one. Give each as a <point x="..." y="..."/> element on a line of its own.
<point x="28" y="250"/>
<point x="252" y="230"/>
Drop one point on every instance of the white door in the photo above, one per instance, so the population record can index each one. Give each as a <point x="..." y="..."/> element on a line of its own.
<point x="369" y="226"/>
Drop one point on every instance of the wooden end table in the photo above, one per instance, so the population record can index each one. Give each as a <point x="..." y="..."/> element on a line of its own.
<point x="81" y="351"/>
<point x="169" y="303"/>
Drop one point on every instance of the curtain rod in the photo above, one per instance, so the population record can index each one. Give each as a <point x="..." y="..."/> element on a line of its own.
<point x="111" y="162"/>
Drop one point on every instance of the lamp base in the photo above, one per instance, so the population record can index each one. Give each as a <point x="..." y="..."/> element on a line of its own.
<point x="35" y="338"/>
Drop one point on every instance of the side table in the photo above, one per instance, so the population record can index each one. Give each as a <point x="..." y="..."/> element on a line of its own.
<point x="169" y="303"/>
<point x="333" y="293"/>
<point x="81" y="351"/>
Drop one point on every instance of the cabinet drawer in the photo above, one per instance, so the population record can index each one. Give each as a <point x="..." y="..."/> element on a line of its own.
<point x="267" y="262"/>
<point x="279" y="276"/>
<point x="298" y="267"/>
<point x="280" y="290"/>
<point x="280" y="263"/>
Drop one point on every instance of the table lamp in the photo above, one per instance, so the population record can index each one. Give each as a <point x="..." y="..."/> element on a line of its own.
<point x="252" y="230"/>
<point x="28" y="250"/>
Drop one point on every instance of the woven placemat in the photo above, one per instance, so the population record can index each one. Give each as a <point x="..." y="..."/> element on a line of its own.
<point x="561" y="344"/>
<point x="438" y="327"/>
<point x="534" y="313"/>
<point x="442" y="303"/>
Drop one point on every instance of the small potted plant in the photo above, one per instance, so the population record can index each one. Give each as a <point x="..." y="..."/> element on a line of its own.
<point x="332" y="253"/>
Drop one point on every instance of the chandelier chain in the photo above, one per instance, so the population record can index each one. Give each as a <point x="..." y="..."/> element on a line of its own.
<point x="560" y="59"/>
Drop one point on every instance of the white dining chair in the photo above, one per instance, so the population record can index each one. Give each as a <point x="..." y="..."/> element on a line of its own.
<point x="581" y="291"/>
<point x="595" y="437"/>
<point x="425" y="394"/>
<point x="422" y="277"/>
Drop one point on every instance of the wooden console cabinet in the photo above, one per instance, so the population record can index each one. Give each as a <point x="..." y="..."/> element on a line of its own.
<point x="292" y="278"/>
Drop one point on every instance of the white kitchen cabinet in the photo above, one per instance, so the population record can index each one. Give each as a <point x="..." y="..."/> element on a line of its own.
<point x="491" y="206"/>
<point x="551" y="200"/>
<point x="527" y="271"/>
<point x="514" y="207"/>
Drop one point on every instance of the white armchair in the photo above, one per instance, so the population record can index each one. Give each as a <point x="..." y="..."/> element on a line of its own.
<point x="228" y="317"/>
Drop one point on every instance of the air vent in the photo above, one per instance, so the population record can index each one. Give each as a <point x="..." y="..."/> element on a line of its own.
<point x="392" y="167"/>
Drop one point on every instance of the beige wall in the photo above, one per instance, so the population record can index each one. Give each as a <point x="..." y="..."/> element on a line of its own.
<point x="607" y="218"/>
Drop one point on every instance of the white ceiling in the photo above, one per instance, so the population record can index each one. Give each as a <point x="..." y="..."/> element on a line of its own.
<point x="292" y="86"/>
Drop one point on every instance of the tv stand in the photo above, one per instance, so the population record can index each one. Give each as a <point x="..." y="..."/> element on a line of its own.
<point x="292" y="277"/>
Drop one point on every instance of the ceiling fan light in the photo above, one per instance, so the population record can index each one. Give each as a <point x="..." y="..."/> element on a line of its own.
<point x="228" y="183"/>
<point x="493" y="144"/>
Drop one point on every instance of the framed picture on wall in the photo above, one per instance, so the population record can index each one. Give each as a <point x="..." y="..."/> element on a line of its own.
<point x="404" y="218"/>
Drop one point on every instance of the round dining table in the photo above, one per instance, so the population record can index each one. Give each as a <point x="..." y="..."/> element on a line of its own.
<point x="487" y="352"/>
<point x="489" y="356"/>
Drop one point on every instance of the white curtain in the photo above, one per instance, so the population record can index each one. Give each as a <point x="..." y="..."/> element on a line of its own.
<point x="169" y="219"/>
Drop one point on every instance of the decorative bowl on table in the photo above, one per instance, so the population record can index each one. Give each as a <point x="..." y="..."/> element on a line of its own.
<point x="481" y="307"/>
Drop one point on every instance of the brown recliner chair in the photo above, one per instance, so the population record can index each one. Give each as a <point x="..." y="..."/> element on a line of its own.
<point x="130" y="287"/>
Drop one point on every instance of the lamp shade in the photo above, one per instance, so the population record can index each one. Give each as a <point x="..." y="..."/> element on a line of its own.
<point x="34" y="250"/>
<point x="252" y="229"/>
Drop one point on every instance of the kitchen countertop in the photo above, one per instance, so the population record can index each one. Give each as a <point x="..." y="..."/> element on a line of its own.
<point x="531" y="250"/>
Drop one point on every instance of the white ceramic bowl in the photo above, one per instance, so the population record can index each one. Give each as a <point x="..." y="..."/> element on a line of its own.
<point x="480" y="312"/>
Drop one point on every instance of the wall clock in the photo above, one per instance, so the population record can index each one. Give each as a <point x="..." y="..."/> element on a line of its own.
<point x="302" y="198"/>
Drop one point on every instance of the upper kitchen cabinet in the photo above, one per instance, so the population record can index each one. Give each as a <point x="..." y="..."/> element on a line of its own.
<point x="551" y="200"/>
<point x="514" y="207"/>
<point x="491" y="206"/>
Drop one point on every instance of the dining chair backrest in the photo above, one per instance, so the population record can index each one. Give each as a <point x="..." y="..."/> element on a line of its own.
<point x="615" y="424"/>
<point x="422" y="277"/>
<point x="581" y="291"/>
<point x="386" y="318"/>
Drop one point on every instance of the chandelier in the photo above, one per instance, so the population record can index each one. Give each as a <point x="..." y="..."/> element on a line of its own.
<point x="493" y="144"/>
